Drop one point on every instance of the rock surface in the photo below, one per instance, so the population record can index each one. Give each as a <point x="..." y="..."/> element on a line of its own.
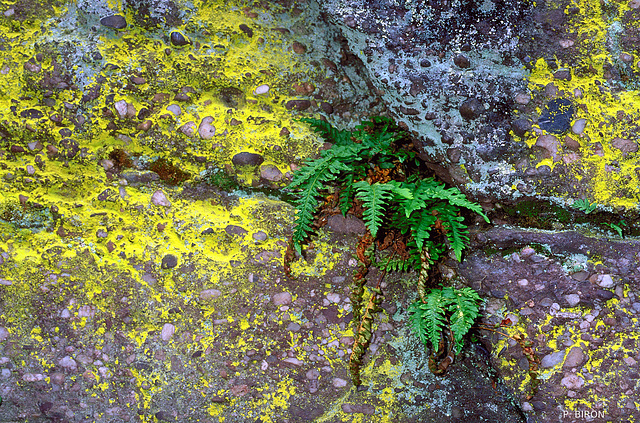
<point x="120" y="305"/>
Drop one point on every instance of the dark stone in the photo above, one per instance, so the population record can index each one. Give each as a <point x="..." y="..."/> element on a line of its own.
<point x="17" y="149"/>
<point x="31" y="114"/>
<point x="326" y="107"/>
<point x="298" y="105"/>
<point x="164" y="416"/>
<point x="471" y="109"/>
<point x="144" y="113"/>
<point x="106" y="195"/>
<point x="409" y="111"/>
<point x="521" y="126"/>
<point x="556" y="116"/>
<point x="462" y="61"/>
<point x="232" y="97"/>
<point x="169" y="261"/>
<point x="346" y="225"/>
<point x="71" y="147"/>
<point x="605" y="295"/>
<point x="179" y="40"/>
<point x="563" y="75"/>
<point x="235" y="230"/>
<point x="114" y="21"/>
<point x="453" y="154"/>
<point x="247" y="159"/>
<point x="425" y="63"/>
<point x="244" y="28"/>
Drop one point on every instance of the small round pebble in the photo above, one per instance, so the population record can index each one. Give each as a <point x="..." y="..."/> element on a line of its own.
<point x="160" y="199"/>
<point x="114" y="21"/>
<point x="169" y="261"/>
<point x="179" y="40"/>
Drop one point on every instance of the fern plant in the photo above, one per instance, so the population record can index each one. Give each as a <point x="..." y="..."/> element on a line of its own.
<point x="367" y="173"/>
<point x="445" y="309"/>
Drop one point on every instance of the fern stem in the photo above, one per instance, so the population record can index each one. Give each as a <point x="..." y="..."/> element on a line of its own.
<point x="424" y="273"/>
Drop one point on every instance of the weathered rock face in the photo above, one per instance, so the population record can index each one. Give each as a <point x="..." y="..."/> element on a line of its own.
<point x="477" y="82"/>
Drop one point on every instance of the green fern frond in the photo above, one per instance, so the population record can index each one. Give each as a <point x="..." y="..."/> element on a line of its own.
<point x="375" y="198"/>
<point x="421" y="223"/>
<point x="428" y="189"/>
<point x="327" y="131"/>
<point x="428" y="319"/>
<point x="464" y="306"/>
<point x="312" y="179"/>
<point x="457" y="232"/>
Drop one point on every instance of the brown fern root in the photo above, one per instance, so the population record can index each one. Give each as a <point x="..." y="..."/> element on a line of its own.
<point x="424" y="273"/>
<point x="363" y="335"/>
<point x="363" y="252"/>
<point x="289" y="256"/>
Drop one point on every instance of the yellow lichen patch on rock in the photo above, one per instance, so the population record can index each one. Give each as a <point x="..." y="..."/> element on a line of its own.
<point x="606" y="110"/>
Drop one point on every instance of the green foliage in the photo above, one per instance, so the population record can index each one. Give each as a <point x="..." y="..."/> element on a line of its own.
<point x="447" y="308"/>
<point x="413" y="204"/>
<point x="367" y="173"/>
<point x="584" y="206"/>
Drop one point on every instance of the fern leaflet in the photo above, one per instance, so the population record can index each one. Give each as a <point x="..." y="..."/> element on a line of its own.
<point x="428" y="318"/>
<point x="464" y="306"/>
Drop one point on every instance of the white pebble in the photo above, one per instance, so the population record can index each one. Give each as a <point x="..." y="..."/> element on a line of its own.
<point x="160" y="199"/>
<point x="262" y="89"/>
<point x="206" y="130"/>
<point x="339" y="383"/>
<point x="578" y="126"/>
<point x="167" y="332"/>
<point x="175" y="109"/>
<point x="606" y="281"/>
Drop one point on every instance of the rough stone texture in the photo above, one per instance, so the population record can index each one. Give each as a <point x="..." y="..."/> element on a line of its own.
<point x="437" y="64"/>
<point x="133" y="293"/>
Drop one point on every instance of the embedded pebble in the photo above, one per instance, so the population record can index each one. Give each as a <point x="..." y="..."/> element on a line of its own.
<point x="168" y="330"/>
<point x="169" y="261"/>
<point x="523" y="282"/>
<point x="4" y="333"/>
<point x="293" y="327"/>
<point x="175" y="109"/>
<point x="572" y="299"/>
<point x="68" y="363"/>
<point x="606" y="281"/>
<point x="114" y="21"/>
<point x="270" y="173"/>
<point x="552" y="359"/>
<point x="578" y="126"/>
<point x="294" y="361"/>
<point x="575" y="358"/>
<point x="206" y="130"/>
<point x="333" y="297"/>
<point x="177" y="39"/>
<point x="572" y="381"/>
<point x="32" y="377"/>
<point x="282" y="298"/>
<point x="160" y="199"/>
<point x="312" y="374"/>
<point x="261" y="89"/>
<point x="189" y="129"/>
<point x="247" y="159"/>
<point x="208" y="294"/>
<point x="339" y="383"/>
